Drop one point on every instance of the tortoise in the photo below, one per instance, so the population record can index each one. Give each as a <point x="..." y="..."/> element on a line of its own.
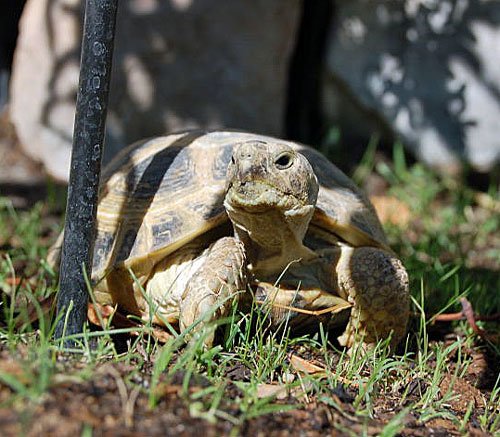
<point x="202" y="218"/>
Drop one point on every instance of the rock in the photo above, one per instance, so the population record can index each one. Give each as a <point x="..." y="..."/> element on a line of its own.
<point x="22" y="181"/>
<point x="178" y="64"/>
<point x="428" y="70"/>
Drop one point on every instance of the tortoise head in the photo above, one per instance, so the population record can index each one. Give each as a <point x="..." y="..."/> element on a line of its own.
<point x="270" y="185"/>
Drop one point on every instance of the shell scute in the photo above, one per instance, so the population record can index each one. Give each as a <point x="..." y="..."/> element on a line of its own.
<point x="170" y="170"/>
<point x="102" y="249"/>
<point x="165" y="230"/>
<point x="221" y="162"/>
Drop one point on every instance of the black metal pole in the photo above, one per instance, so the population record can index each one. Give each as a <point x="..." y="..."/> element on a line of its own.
<point x="88" y="138"/>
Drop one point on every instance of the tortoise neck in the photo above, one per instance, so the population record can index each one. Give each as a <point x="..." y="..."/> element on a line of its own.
<point x="270" y="264"/>
<point x="274" y="239"/>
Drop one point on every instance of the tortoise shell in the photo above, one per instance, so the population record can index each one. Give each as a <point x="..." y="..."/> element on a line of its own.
<point x="159" y="194"/>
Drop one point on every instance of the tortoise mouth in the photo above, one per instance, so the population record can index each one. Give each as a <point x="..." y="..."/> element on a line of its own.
<point x="259" y="196"/>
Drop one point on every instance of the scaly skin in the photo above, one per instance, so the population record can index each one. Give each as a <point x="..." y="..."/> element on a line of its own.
<point x="376" y="283"/>
<point x="210" y="292"/>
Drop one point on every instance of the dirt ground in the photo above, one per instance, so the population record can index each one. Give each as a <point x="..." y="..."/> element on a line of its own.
<point x="112" y="407"/>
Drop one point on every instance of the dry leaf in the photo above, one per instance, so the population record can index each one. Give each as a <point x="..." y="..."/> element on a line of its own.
<point x="267" y="390"/>
<point x="304" y="366"/>
<point x="97" y="312"/>
<point x="391" y="210"/>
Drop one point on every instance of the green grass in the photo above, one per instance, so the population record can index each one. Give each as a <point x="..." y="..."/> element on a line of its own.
<point x="448" y="247"/>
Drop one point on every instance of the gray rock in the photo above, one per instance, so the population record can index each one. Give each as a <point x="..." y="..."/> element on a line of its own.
<point x="178" y="64"/>
<point x="427" y="69"/>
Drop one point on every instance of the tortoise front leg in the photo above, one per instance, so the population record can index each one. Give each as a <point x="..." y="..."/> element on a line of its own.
<point x="220" y="279"/>
<point x="376" y="283"/>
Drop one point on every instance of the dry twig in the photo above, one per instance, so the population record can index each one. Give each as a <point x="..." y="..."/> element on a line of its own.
<point x="468" y="314"/>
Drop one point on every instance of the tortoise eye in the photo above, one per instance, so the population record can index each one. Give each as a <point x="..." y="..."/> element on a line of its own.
<point x="284" y="160"/>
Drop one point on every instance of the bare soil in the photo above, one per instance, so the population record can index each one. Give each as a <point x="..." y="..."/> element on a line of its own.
<point x="113" y="402"/>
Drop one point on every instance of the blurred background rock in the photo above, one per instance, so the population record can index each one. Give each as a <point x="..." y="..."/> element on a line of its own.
<point x="329" y="73"/>
<point x="427" y="70"/>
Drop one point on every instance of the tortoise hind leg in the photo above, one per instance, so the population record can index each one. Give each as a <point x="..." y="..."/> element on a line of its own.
<point x="376" y="283"/>
<point x="209" y="293"/>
